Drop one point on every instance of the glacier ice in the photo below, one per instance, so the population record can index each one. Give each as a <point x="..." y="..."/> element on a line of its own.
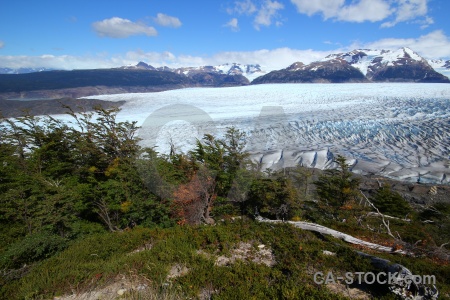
<point x="399" y="130"/>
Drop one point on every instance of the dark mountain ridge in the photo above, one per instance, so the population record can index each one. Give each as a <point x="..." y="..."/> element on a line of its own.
<point x="82" y="78"/>
<point x="77" y="83"/>
<point x="332" y="71"/>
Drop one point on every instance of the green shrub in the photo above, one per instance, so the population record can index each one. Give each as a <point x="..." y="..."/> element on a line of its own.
<point x="337" y="186"/>
<point x="390" y="202"/>
<point x="96" y="260"/>
<point x="32" y="248"/>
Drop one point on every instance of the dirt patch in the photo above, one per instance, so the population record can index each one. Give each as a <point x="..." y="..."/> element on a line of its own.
<point x="177" y="271"/>
<point x="260" y="254"/>
<point x="114" y="290"/>
<point x="352" y="293"/>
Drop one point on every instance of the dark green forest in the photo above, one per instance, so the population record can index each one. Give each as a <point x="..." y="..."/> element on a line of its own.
<point x="65" y="187"/>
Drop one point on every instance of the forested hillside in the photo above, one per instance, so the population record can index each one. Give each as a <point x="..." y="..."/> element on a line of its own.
<point x="76" y="200"/>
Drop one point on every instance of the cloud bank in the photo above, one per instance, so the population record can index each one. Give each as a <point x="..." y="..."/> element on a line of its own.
<point x="432" y="46"/>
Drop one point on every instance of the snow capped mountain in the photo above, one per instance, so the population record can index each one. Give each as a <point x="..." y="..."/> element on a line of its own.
<point x="336" y="70"/>
<point x="387" y="65"/>
<point x="401" y="65"/>
<point x="362" y="65"/>
<point x="248" y="71"/>
<point x="366" y="60"/>
<point x="140" y="66"/>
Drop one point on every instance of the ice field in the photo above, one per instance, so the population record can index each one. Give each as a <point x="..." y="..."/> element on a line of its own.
<point x="399" y="130"/>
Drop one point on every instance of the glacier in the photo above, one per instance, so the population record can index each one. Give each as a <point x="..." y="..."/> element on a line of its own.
<point x="397" y="130"/>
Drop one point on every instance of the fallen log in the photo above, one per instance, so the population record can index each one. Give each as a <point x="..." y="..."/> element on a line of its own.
<point x="339" y="235"/>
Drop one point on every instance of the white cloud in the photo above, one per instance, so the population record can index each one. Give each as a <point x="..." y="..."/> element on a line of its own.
<point x="367" y="10"/>
<point x="232" y="24"/>
<point x="270" y="59"/>
<point x="425" y="22"/>
<point x="361" y="11"/>
<point x="408" y="10"/>
<point x="157" y="59"/>
<point x="246" y="7"/>
<point x="329" y="8"/>
<point x="266" y="13"/>
<point x="122" y="28"/>
<point x="2" y="44"/>
<point x="433" y="45"/>
<point x="167" y="21"/>
<point x="65" y="62"/>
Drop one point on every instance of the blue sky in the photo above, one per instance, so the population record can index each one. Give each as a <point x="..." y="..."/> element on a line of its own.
<point x="275" y="33"/>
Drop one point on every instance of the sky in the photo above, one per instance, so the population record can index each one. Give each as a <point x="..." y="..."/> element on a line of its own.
<point x="86" y="34"/>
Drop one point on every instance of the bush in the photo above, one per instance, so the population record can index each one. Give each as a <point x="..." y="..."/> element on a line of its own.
<point x="32" y="248"/>
<point x="272" y="197"/>
<point x="337" y="187"/>
<point x="390" y="202"/>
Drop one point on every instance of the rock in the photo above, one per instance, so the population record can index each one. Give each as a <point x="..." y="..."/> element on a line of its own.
<point x="177" y="271"/>
<point x="121" y="292"/>
<point x="210" y="221"/>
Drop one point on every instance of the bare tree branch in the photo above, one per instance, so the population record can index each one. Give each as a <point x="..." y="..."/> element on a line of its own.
<point x="385" y="223"/>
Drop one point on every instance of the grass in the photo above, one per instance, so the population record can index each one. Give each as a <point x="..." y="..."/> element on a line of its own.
<point x="145" y="255"/>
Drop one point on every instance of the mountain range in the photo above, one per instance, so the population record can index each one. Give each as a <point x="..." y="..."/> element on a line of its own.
<point x="361" y="65"/>
<point x="249" y="71"/>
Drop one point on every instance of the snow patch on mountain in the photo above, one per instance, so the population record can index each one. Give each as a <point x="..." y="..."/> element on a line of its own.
<point x="363" y="59"/>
